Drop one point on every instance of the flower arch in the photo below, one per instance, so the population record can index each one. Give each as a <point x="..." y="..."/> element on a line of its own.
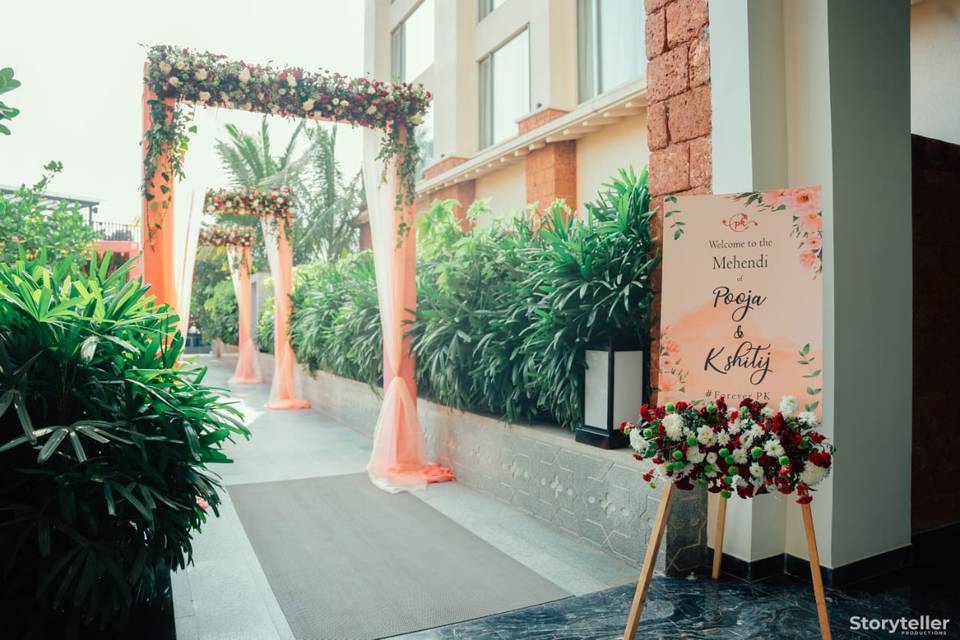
<point x="238" y="241"/>
<point x="174" y="77"/>
<point x="273" y="209"/>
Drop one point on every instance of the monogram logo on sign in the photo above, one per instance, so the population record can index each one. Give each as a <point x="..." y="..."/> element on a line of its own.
<point x="739" y="222"/>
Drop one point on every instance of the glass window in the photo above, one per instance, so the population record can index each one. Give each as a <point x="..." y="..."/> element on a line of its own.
<point x="504" y="89"/>
<point x="488" y="6"/>
<point x="424" y="138"/>
<point x="611" y="44"/>
<point x="411" y="44"/>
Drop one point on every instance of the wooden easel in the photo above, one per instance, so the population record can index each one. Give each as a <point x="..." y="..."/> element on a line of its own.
<point x="656" y="535"/>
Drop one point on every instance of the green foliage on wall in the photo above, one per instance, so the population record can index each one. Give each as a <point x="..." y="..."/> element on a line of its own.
<point x="505" y="311"/>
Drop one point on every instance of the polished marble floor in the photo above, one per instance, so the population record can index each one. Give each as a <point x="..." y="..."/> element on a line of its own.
<point x="780" y="608"/>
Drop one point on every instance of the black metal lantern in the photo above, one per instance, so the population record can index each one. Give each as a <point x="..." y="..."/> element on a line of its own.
<point x="614" y="387"/>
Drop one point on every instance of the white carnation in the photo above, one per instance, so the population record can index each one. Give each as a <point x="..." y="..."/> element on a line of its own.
<point x="165" y="68"/>
<point x="808" y="418"/>
<point x="756" y="470"/>
<point x="673" y="425"/>
<point x="694" y="455"/>
<point x="756" y="431"/>
<point x="712" y="457"/>
<point x="308" y="105"/>
<point x="812" y="474"/>
<point x="244" y="75"/>
<point x="204" y="96"/>
<point x="773" y="448"/>
<point x="201" y="74"/>
<point x="174" y="81"/>
<point x="746" y="439"/>
<point x="788" y="406"/>
<point x="740" y="456"/>
<point x="637" y="441"/>
<point x="767" y="412"/>
<point x="737" y="426"/>
<point x="723" y="438"/>
<point x="706" y="436"/>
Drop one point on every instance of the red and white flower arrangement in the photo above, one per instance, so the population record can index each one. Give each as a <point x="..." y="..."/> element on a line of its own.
<point x="276" y="203"/>
<point x="751" y="449"/>
<point x="226" y="236"/>
<point x="177" y="75"/>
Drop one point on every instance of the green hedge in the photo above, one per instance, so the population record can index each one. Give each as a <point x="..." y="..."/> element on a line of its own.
<point x="222" y="313"/>
<point x="505" y="311"/>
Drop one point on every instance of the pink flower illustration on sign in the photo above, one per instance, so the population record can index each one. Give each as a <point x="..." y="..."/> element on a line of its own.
<point x="672" y="376"/>
<point x="808" y="259"/>
<point x="810" y="222"/>
<point x="804" y="199"/>
<point x="803" y="204"/>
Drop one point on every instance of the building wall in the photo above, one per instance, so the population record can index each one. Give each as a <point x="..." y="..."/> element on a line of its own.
<point x="601" y="154"/>
<point x="506" y="190"/>
<point x="934" y="71"/>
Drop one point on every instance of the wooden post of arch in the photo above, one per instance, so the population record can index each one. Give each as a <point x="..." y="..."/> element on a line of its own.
<point x="157" y="221"/>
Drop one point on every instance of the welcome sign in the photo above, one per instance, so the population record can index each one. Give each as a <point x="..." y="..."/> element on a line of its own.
<point x="742" y="297"/>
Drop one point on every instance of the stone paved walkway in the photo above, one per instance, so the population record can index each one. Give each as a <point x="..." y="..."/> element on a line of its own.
<point x="225" y="594"/>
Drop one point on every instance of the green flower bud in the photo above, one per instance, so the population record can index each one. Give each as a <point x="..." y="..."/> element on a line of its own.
<point x="732" y="470"/>
<point x="784" y="461"/>
<point x="724" y="453"/>
<point x="648" y="432"/>
<point x="707" y="468"/>
<point x="804" y="443"/>
<point x="678" y="455"/>
<point x="712" y="408"/>
<point x="725" y="493"/>
<point x="669" y="407"/>
<point x="692" y="441"/>
<point x="756" y="452"/>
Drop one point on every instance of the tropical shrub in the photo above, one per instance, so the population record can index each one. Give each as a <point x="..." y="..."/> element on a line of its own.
<point x="336" y="320"/>
<point x="210" y="269"/>
<point x="505" y="311"/>
<point x="221" y="308"/>
<point x="265" y="327"/>
<point x="105" y="440"/>
<point x="29" y="228"/>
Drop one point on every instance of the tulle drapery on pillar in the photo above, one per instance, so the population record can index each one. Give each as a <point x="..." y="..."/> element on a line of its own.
<point x="398" y="461"/>
<point x="285" y="389"/>
<point x="248" y="366"/>
<point x="157" y="221"/>
<point x="187" y="238"/>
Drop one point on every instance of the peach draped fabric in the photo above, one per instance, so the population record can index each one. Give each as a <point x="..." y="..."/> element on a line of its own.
<point x="398" y="461"/>
<point x="284" y="391"/>
<point x="248" y="367"/>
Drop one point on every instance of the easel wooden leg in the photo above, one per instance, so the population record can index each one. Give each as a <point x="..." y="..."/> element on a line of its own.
<point x="649" y="561"/>
<point x="718" y="541"/>
<point x="815" y="572"/>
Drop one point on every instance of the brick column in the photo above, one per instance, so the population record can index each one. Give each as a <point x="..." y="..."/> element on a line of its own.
<point x="465" y="192"/>
<point x="551" y="171"/>
<point x="678" y="114"/>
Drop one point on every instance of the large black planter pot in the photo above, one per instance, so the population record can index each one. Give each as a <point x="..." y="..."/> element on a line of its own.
<point x="153" y="621"/>
<point x="614" y="387"/>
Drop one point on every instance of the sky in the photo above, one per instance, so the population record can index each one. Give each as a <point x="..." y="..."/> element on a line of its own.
<point x="81" y="67"/>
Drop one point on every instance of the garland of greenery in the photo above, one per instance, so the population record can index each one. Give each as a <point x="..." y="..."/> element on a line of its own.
<point x="177" y="75"/>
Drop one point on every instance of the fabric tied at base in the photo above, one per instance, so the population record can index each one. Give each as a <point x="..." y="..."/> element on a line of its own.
<point x="398" y="460"/>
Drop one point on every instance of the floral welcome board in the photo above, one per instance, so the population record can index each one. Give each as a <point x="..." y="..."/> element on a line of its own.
<point x="742" y="298"/>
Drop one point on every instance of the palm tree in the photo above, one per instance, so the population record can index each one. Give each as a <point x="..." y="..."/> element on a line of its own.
<point x="248" y="160"/>
<point x="326" y="204"/>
